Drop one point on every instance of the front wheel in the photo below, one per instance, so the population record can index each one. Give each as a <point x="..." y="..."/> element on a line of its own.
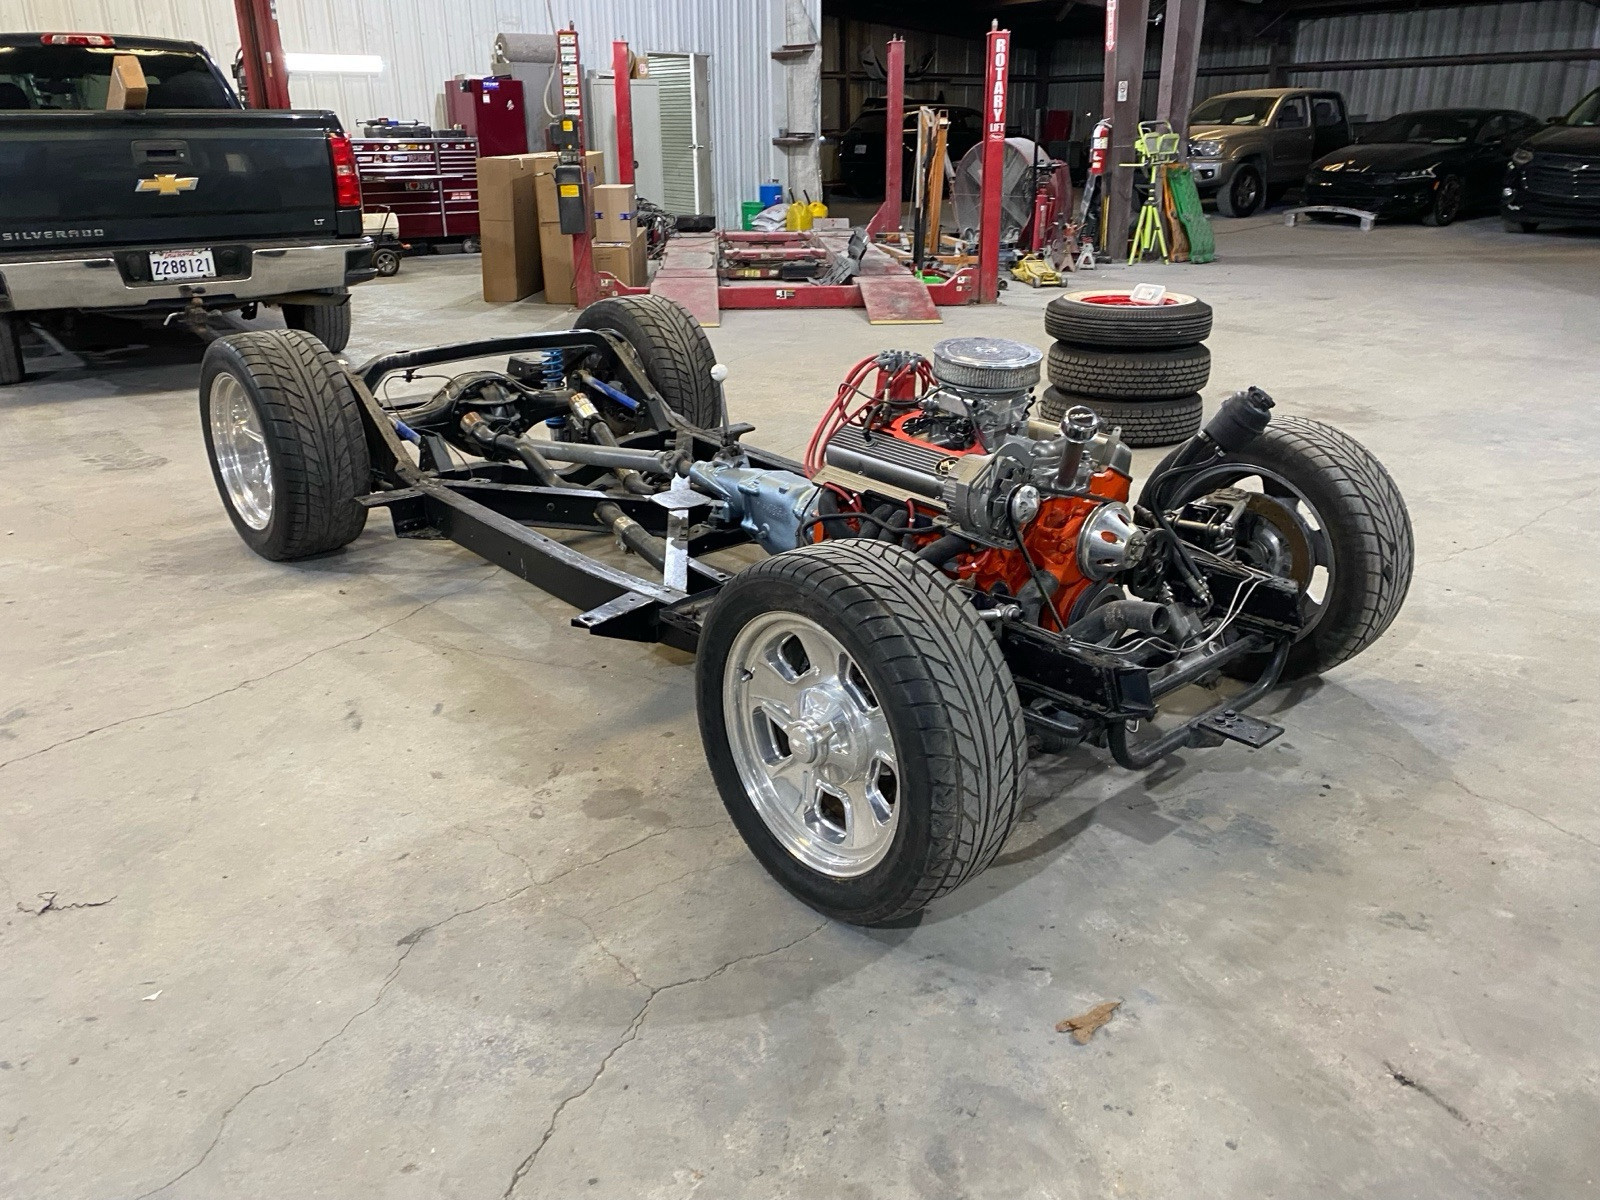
<point x="1446" y="206"/>
<point x="1244" y="194"/>
<point x="1323" y="512"/>
<point x="861" y="726"/>
<point x="328" y="323"/>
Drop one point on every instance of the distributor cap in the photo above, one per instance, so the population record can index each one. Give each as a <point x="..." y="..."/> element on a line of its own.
<point x="986" y="364"/>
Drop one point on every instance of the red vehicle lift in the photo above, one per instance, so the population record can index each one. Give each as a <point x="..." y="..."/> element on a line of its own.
<point x="696" y="269"/>
<point x="266" y="80"/>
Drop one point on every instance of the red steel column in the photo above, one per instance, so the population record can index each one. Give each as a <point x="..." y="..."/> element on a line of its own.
<point x="624" y="106"/>
<point x="265" y="77"/>
<point x="994" y="145"/>
<point x="887" y="217"/>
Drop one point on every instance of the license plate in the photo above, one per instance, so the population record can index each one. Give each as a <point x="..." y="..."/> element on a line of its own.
<point x="169" y="265"/>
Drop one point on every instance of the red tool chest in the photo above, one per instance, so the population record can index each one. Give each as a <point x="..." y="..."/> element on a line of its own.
<point x="429" y="184"/>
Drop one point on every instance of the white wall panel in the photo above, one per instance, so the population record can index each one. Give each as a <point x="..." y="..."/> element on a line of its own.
<point x="424" y="42"/>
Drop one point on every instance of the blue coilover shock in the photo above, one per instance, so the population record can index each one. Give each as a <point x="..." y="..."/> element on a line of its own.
<point x="553" y="375"/>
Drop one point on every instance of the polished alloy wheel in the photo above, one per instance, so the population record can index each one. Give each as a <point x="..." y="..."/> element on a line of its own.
<point x="241" y="451"/>
<point x="811" y="744"/>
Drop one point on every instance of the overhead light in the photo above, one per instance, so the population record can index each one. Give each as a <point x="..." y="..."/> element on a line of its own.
<point x="334" y="64"/>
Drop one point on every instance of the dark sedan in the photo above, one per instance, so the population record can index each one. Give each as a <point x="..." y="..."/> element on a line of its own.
<point x="861" y="147"/>
<point x="1435" y="165"/>
<point x="1555" y="174"/>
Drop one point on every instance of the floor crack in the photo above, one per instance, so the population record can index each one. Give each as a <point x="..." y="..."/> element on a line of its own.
<point x="408" y="944"/>
<point x="629" y="1035"/>
<point x="243" y="683"/>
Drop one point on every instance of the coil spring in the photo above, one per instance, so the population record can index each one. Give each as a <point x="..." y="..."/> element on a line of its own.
<point x="552" y="375"/>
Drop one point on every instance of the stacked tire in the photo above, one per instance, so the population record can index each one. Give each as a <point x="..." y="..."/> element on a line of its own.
<point x="1140" y="367"/>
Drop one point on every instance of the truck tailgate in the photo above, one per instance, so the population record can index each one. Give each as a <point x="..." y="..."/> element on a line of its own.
<point x="103" y="178"/>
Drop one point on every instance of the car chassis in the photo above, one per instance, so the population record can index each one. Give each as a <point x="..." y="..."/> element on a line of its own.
<point x="483" y="507"/>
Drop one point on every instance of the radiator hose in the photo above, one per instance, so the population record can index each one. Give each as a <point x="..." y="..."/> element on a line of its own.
<point x="1123" y="616"/>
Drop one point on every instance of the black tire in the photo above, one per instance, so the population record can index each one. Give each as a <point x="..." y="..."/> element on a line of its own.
<point x="950" y="704"/>
<point x="676" y="354"/>
<point x="386" y="261"/>
<point x="471" y="245"/>
<point x="1367" y="525"/>
<point x="10" y="349"/>
<point x="1077" y="318"/>
<point x="1130" y="374"/>
<point x="1244" y="194"/>
<point x="1446" y="206"/>
<point x="1143" y="422"/>
<point x="310" y="421"/>
<point x="328" y="323"/>
<point x="1521" y="226"/>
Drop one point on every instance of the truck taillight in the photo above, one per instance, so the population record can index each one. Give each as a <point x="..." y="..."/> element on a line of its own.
<point x="77" y="39"/>
<point x="346" y="182"/>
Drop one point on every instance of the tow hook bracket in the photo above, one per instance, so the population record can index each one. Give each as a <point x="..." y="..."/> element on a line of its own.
<point x="1239" y="727"/>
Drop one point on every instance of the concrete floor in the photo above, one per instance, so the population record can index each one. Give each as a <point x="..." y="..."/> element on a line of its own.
<point x="371" y="877"/>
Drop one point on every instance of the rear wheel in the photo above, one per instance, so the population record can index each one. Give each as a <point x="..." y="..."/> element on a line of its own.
<point x="1244" y="193"/>
<point x="1328" y="516"/>
<point x="1446" y="206"/>
<point x="287" y="447"/>
<point x="861" y="726"/>
<point x="676" y="354"/>
<point x="328" y="323"/>
<point x="10" y="349"/>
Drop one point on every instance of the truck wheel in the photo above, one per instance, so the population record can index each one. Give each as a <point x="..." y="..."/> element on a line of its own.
<point x="1130" y="374"/>
<point x="1107" y="317"/>
<point x="676" y="354"/>
<point x="386" y="261"/>
<point x="1143" y="422"/>
<point x="1244" y="193"/>
<point x="1331" y="519"/>
<point x="328" y="323"/>
<point x="10" y="349"/>
<point x="861" y="726"/>
<point x="287" y="447"/>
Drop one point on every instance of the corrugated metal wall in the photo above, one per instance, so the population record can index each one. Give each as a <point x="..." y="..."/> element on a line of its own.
<point x="1541" y="88"/>
<point x="952" y="70"/>
<point x="424" y="42"/>
<point x="1076" y="66"/>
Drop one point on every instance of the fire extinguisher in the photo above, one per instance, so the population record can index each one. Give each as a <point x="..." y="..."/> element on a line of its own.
<point x="1100" y="147"/>
<point x="1091" y="213"/>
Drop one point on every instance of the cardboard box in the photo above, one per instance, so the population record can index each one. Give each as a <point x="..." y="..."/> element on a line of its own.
<point x="555" y="254"/>
<point x="614" y="212"/>
<point x="544" y="182"/>
<point x="128" y="88"/>
<point x="505" y="189"/>
<point x="511" y="265"/>
<point x="628" y="261"/>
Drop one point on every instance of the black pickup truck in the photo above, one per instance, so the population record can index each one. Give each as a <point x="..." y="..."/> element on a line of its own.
<point x="192" y="203"/>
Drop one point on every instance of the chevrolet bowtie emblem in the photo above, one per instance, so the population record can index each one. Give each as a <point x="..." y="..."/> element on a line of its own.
<point x="167" y="185"/>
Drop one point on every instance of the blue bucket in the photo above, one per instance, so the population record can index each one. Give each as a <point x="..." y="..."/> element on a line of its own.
<point x="771" y="193"/>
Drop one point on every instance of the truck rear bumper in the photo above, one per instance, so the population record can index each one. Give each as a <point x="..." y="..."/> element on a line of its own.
<point x="76" y="279"/>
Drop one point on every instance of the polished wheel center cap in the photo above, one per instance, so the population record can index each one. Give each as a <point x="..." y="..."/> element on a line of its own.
<point x="806" y="742"/>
